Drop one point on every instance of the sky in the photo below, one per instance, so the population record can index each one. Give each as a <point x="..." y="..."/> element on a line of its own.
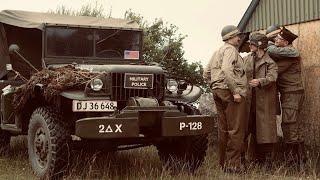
<point x="200" y="20"/>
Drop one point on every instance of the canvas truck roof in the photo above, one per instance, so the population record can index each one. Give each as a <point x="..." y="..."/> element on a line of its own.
<point x="39" y="20"/>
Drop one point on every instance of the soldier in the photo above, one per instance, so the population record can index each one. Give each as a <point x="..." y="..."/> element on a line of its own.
<point x="225" y="74"/>
<point x="291" y="90"/>
<point x="262" y="73"/>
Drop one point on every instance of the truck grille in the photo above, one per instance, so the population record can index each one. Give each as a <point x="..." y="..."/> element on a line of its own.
<point x="121" y="94"/>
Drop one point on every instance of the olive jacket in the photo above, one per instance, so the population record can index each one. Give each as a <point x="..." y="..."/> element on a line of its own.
<point x="289" y="68"/>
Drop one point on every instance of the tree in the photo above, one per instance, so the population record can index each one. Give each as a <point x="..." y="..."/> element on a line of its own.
<point x="162" y="43"/>
<point x="90" y="9"/>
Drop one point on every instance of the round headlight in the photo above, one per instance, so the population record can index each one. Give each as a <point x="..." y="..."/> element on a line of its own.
<point x="96" y="84"/>
<point x="172" y="85"/>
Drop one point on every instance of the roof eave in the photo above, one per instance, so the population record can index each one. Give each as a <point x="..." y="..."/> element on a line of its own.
<point x="247" y="15"/>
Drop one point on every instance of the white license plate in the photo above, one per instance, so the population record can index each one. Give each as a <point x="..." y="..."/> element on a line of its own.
<point x="94" y="106"/>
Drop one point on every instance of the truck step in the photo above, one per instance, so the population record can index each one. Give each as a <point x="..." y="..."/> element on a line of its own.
<point x="11" y="127"/>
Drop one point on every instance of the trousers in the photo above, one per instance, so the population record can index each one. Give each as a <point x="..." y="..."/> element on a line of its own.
<point x="232" y="128"/>
<point x="291" y="123"/>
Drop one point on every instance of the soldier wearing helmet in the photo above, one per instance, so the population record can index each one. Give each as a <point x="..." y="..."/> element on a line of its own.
<point x="291" y="90"/>
<point x="261" y="72"/>
<point x="225" y="74"/>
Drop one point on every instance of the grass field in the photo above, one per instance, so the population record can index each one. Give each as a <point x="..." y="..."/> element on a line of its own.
<point x="140" y="163"/>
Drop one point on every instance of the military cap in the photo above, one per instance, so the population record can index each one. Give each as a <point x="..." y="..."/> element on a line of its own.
<point x="259" y="40"/>
<point x="287" y="35"/>
<point x="229" y="31"/>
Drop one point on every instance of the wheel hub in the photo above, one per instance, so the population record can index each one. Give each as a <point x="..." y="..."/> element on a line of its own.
<point x="41" y="147"/>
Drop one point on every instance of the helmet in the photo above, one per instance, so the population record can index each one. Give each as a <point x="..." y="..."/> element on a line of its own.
<point x="272" y="31"/>
<point x="259" y="40"/>
<point x="272" y="28"/>
<point x="229" y="31"/>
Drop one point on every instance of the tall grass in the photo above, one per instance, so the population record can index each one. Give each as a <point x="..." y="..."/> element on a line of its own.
<point x="140" y="163"/>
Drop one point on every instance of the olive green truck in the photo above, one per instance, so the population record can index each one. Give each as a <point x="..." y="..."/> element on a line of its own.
<point x="69" y="80"/>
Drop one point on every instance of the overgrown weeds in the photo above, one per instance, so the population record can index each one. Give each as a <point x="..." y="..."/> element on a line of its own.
<point x="144" y="163"/>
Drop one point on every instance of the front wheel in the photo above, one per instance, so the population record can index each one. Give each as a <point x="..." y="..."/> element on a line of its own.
<point x="183" y="152"/>
<point x="47" y="143"/>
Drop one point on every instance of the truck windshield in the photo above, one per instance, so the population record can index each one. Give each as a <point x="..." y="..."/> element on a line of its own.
<point x="98" y="43"/>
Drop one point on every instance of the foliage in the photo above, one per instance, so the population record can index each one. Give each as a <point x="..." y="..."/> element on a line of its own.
<point x="162" y="43"/>
<point x="90" y="9"/>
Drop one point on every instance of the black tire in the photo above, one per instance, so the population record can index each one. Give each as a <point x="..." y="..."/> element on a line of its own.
<point x="186" y="152"/>
<point x="4" y="142"/>
<point x="183" y="153"/>
<point x="48" y="139"/>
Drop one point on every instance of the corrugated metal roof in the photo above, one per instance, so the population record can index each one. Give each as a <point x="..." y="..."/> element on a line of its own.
<point x="283" y="12"/>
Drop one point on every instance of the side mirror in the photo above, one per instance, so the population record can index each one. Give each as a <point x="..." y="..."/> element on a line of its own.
<point x="13" y="48"/>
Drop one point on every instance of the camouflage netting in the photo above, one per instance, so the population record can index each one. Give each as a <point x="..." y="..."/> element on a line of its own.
<point x="54" y="81"/>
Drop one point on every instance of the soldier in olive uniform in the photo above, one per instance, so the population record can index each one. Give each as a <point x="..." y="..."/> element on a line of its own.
<point x="291" y="90"/>
<point x="225" y="74"/>
<point x="262" y="73"/>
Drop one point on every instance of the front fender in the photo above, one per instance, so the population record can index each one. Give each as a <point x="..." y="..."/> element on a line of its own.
<point x="187" y="97"/>
<point x="80" y="95"/>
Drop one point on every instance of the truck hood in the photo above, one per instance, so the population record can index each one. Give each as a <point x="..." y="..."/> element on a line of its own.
<point x="118" y="68"/>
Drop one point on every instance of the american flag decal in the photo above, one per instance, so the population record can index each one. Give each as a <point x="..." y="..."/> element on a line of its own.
<point x="131" y="54"/>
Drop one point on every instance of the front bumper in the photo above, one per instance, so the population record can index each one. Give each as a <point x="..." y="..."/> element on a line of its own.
<point x="134" y="121"/>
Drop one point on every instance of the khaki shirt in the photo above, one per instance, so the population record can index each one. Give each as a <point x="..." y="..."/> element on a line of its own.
<point x="226" y="70"/>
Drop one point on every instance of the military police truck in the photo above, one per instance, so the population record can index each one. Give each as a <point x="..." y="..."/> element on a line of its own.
<point x="125" y="104"/>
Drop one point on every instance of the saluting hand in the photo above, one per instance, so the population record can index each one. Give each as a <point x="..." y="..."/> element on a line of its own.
<point x="254" y="83"/>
